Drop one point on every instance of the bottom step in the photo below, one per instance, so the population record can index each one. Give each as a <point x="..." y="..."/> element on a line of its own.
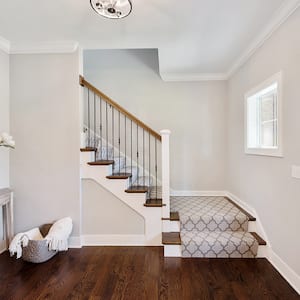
<point x="230" y="244"/>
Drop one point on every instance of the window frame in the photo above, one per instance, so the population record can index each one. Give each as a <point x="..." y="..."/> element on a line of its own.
<point x="276" y="151"/>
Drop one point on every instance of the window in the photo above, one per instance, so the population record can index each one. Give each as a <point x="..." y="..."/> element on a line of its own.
<point x="263" y="121"/>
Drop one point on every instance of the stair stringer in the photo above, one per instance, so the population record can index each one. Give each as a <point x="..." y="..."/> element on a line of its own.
<point x="152" y="216"/>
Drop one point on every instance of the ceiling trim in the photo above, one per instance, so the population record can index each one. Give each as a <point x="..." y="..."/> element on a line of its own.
<point x="4" y="45"/>
<point x="192" y="76"/>
<point x="44" y="47"/>
<point x="280" y="16"/>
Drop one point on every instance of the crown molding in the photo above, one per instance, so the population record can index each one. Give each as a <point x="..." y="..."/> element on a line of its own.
<point x="280" y="16"/>
<point x="44" y="47"/>
<point x="192" y="76"/>
<point x="4" y="45"/>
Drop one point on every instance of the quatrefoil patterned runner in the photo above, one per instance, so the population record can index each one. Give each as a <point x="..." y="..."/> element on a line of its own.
<point x="213" y="227"/>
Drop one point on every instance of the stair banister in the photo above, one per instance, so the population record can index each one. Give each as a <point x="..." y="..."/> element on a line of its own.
<point x="165" y="155"/>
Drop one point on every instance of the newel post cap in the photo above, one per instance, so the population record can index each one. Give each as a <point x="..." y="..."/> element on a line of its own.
<point x="165" y="132"/>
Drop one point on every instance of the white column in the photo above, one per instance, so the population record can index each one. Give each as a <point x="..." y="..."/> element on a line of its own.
<point x="165" y="158"/>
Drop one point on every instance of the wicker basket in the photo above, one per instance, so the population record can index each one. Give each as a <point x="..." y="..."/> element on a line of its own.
<point x="37" y="251"/>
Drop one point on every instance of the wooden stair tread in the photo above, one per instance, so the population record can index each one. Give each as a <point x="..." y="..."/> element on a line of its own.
<point x="174" y="216"/>
<point x="119" y="176"/>
<point x="137" y="189"/>
<point x="88" y="149"/>
<point x="250" y="217"/>
<point x="171" y="238"/>
<point x="154" y="203"/>
<point x="101" y="162"/>
<point x="259" y="239"/>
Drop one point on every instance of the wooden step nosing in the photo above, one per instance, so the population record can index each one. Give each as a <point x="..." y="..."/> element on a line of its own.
<point x="260" y="240"/>
<point x="250" y="217"/>
<point x="171" y="238"/>
<point x="101" y="163"/>
<point x="88" y="149"/>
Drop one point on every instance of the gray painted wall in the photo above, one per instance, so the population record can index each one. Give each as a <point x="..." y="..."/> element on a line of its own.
<point x="193" y="111"/>
<point x="4" y="117"/>
<point x="265" y="182"/>
<point x="44" y="120"/>
<point x="103" y="213"/>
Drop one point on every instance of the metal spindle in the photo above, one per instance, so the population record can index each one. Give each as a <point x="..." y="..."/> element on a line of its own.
<point x="131" y="148"/>
<point x="156" y="168"/>
<point x="125" y="143"/>
<point x="89" y="121"/>
<point x="101" y="152"/>
<point x="95" y="123"/>
<point x="137" y="152"/>
<point x="143" y="156"/>
<point x="119" y="142"/>
<point x="149" y="161"/>
<point x="106" y="122"/>
<point x="113" y="136"/>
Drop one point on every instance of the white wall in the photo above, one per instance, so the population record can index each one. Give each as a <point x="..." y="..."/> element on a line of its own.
<point x="4" y="117"/>
<point x="193" y="111"/>
<point x="265" y="182"/>
<point x="45" y="124"/>
<point x="103" y="213"/>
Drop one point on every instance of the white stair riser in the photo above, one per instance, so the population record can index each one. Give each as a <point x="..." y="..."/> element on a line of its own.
<point x="171" y="226"/>
<point x="172" y="250"/>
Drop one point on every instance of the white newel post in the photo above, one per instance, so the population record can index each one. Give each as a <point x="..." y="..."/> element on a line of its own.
<point x="165" y="161"/>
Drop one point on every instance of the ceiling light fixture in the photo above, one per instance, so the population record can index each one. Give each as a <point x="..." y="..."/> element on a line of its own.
<point x="112" y="9"/>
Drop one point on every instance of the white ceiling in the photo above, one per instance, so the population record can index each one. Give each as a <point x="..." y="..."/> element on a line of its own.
<point x="197" y="39"/>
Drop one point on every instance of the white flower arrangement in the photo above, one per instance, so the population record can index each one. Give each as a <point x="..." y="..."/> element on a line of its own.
<point x="6" y="140"/>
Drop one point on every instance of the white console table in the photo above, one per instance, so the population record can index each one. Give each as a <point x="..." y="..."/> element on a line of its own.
<point x="6" y="203"/>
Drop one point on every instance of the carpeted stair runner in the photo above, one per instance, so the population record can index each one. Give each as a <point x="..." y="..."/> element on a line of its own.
<point x="213" y="227"/>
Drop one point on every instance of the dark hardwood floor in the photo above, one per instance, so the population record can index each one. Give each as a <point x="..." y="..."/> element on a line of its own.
<point x="140" y="273"/>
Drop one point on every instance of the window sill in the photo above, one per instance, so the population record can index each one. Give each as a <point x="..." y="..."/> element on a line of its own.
<point x="264" y="152"/>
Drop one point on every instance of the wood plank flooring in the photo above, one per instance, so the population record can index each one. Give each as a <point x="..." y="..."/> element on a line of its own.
<point x="140" y="273"/>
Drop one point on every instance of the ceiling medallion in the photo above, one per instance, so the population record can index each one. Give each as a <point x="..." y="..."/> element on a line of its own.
<point x="112" y="9"/>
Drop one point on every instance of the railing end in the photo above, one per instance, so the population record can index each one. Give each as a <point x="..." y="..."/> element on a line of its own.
<point x="81" y="80"/>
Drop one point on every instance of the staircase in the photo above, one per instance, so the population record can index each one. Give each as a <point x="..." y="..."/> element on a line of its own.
<point x="212" y="227"/>
<point x="127" y="158"/>
<point x="131" y="160"/>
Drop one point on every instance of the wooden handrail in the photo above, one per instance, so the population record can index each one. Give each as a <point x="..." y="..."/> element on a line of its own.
<point x="85" y="83"/>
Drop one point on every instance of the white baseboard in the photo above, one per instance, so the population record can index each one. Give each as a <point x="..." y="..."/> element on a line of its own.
<point x="113" y="240"/>
<point x="197" y="193"/>
<point x="286" y="271"/>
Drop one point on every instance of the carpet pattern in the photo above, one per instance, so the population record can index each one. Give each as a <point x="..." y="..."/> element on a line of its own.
<point x="213" y="227"/>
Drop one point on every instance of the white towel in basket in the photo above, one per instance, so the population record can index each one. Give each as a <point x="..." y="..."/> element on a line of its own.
<point x="57" y="237"/>
<point x="21" y="240"/>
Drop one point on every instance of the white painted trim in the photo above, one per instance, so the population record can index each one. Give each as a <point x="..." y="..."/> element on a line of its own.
<point x="276" y="152"/>
<point x="4" y="45"/>
<point x="113" y="240"/>
<point x="44" y="47"/>
<point x="193" y="76"/>
<point x="197" y="193"/>
<point x="286" y="271"/>
<point x="280" y="16"/>
<point x="259" y="227"/>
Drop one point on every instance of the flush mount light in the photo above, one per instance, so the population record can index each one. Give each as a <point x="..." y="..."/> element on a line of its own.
<point x="112" y="9"/>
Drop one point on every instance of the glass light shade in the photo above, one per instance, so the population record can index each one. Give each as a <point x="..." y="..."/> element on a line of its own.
<point x="112" y="9"/>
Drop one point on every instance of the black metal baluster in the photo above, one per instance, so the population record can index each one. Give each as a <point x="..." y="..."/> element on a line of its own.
<point x="119" y="141"/>
<point x="101" y="152"/>
<point x="149" y="163"/>
<point x="89" y="121"/>
<point x="95" y="124"/>
<point x="106" y="122"/>
<point x="125" y="143"/>
<point x="137" y="152"/>
<point x="113" y="137"/>
<point x="131" y="148"/>
<point x="155" y="168"/>
<point x="143" y="157"/>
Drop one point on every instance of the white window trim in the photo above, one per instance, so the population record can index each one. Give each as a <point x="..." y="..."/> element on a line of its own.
<point x="278" y="151"/>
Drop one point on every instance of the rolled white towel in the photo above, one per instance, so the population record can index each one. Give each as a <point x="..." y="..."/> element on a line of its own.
<point x="21" y="240"/>
<point x="57" y="237"/>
